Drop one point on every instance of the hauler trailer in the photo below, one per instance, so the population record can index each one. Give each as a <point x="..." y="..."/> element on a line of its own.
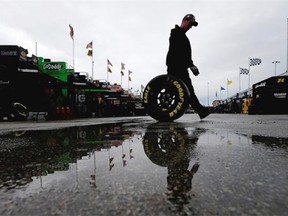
<point x="33" y="84"/>
<point x="270" y="96"/>
<point x="22" y="86"/>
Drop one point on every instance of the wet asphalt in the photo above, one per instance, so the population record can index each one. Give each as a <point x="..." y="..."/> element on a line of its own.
<point x="226" y="164"/>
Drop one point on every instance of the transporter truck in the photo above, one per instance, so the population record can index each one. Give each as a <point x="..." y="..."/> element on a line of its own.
<point x="34" y="84"/>
<point x="22" y="86"/>
<point x="270" y="96"/>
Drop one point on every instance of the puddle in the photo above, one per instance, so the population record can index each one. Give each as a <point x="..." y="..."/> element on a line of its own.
<point x="172" y="165"/>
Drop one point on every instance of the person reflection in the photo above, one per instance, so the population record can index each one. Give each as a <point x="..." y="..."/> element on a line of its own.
<point x="170" y="145"/>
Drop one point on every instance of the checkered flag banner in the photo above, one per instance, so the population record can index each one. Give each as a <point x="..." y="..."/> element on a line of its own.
<point x="244" y="71"/>
<point x="255" y="61"/>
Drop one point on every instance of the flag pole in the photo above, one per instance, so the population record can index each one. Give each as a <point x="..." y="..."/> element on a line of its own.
<point x="108" y="68"/>
<point x="122" y="73"/>
<point x="208" y="92"/>
<point x="128" y="81"/>
<point x="287" y="48"/>
<point x="36" y="48"/>
<point x="227" y="89"/>
<point x="92" y="62"/>
<point x="73" y="54"/>
<point x="107" y="71"/>
<point x="129" y="73"/>
<point x="239" y="80"/>
<point x="220" y="93"/>
<point x="249" y="73"/>
<point x="72" y="37"/>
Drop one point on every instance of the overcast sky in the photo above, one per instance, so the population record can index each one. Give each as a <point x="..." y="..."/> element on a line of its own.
<point x="136" y="32"/>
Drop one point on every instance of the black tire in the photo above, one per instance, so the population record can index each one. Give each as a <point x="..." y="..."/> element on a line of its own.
<point x="19" y="111"/>
<point x="165" y="98"/>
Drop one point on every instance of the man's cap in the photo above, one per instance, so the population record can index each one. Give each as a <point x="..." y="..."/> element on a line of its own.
<point x="191" y="17"/>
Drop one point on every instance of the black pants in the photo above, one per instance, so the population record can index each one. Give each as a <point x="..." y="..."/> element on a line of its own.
<point x="184" y="76"/>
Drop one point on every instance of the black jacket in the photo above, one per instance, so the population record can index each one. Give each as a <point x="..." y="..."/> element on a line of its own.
<point x="179" y="56"/>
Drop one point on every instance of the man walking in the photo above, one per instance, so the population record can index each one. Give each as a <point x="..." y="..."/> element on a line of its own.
<point x="179" y="59"/>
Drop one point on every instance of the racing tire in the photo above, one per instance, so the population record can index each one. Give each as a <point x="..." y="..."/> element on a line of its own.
<point x="165" y="98"/>
<point x="19" y="111"/>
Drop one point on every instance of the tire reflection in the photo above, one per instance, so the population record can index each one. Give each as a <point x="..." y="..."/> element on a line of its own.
<point x="170" y="145"/>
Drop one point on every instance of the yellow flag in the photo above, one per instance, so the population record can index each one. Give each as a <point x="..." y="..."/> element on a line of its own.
<point x="229" y="82"/>
<point x="89" y="53"/>
<point x="109" y="69"/>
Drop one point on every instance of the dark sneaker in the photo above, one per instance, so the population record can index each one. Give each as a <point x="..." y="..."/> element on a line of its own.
<point x="205" y="113"/>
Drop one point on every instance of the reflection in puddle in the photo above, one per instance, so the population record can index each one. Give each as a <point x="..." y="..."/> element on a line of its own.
<point x="172" y="146"/>
<point x="229" y="172"/>
<point x="271" y="142"/>
<point x="41" y="153"/>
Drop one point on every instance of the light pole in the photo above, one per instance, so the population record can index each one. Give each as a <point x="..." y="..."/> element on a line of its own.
<point x="275" y="62"/>
<point x="208" y="92"/>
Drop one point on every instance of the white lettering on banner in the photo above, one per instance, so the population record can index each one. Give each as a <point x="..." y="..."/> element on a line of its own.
<point x="52" y="66"/>
<point x="8" y="53"/>
<point x="260" y="85"/>
<point x="280" y="95"/>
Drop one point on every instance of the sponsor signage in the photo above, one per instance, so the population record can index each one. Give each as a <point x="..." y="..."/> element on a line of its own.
<point x="260" y="85"/>
<point x="8" y="53"/>
<point x="52" y="66"/>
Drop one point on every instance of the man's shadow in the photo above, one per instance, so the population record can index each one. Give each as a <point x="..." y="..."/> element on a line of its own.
<point x="170" y="145"/>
